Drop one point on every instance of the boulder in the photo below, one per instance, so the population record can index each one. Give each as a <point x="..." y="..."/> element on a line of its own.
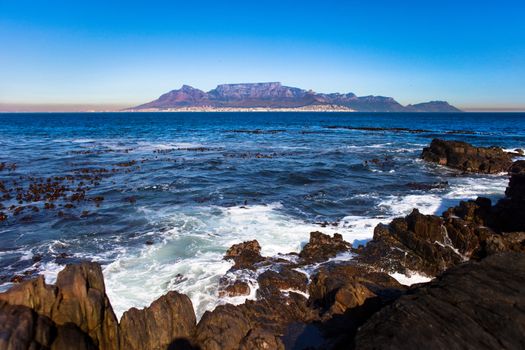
<point x="416" y="242"/>
<point x="507" y="214"/>
<point x="322" y="247"/>
<point x="476" y="305"/>
<point x="245" y="255"/>
<point x="168" y="319"/>
<point x="465" y="157"/>
<point x="233" y="288"/>
<point x="23" y="328"/>
<point x="78" y="298"/>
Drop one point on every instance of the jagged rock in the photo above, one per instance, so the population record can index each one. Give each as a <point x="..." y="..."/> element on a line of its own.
<point x="465" y="157"/>
<point x="78" y="298"/>
<point x="417" y="242"/>
<point x="167" y="319"/>
<point x="322" y="247"/>
<point x="477" y="305"/>
<point x="285" y="279"/>
<point x="23" y="328"/>
<point x="337" y="288"/>
<point x="507" y="214"/>
<point x="233" y="289"/>
<point x="258" y="339"/>
<point x="245" y="255"/>
<point x="222" y="328"/>
<point x="227" y="325"/>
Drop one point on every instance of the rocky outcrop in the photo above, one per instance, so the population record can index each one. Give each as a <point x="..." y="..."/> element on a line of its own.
<point x="167" y="320"/>
<point x="470" y="304"/>
<point x="465" y="157"/>
<point x="415" y="243"/>
<point x="245" y="255"/>
<point x="322" y="247"/>
<point x="23" y="328"/>
<point x="507" y="214"/>
<point x="477" y="305"/>
<point x="78" y="298"/>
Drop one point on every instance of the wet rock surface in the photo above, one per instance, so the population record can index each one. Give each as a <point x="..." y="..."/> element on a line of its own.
<point x="322" y="247"/>
<point x="465" y="157"/>
<point x="245" y="255"/>
<point x="353" y="303"/>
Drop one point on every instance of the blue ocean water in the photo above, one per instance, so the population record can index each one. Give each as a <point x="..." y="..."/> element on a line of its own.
<point x="165" y="194"/>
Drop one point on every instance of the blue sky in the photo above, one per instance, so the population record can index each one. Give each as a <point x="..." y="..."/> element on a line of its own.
<point x="471" y="53"/>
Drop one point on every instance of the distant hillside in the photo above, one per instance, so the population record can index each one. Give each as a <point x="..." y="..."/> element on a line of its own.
<point x="274" y="96"/>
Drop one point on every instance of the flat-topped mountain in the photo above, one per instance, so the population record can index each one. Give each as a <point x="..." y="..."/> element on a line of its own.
<point x="274" y="95"/>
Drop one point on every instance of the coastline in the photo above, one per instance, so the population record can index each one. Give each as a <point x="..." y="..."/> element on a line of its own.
<point x="337" y="283"/>
<point x="310" y="108"/>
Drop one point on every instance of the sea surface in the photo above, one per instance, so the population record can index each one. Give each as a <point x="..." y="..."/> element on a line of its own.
<point x="157" y="198"/>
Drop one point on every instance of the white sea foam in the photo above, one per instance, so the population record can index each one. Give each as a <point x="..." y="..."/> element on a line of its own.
<point x="410" y="278"/>
<point x="188" y="257"/>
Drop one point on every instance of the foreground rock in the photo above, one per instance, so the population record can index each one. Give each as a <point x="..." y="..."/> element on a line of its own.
<point x="23" y="328"/>
<point x="465" y="157"/>
<point x="78" y="298"/>
<point x="508" y="214"/>
<point x="168" y="320"/>
<point x="472" y="306"/>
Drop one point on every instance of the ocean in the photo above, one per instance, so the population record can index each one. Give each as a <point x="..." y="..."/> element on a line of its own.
<point x="157" y="198"/>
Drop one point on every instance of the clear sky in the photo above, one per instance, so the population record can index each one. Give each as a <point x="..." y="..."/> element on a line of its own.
<point x="122" y="53"/>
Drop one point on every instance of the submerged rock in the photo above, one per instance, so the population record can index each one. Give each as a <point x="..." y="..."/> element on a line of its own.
<point x="465" y="157"/>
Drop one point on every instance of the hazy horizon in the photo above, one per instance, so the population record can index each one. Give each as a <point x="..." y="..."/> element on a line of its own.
<point x="93" y="55"/>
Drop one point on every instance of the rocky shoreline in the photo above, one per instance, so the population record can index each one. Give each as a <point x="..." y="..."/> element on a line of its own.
<point x="474" y="251"/>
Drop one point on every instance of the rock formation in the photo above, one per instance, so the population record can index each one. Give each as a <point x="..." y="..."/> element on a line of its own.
<point x="471" y="306"/>
<point x="465" y="157"/>
<point x="476" y="301"/>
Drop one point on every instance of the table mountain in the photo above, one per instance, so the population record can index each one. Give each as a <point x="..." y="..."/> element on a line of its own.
<point x="274" y="95"/>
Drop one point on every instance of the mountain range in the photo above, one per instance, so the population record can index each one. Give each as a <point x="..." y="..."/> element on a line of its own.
<point x="274" y="95"/>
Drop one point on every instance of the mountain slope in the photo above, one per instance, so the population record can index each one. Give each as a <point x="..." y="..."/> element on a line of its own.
<point x="275" y="95"/>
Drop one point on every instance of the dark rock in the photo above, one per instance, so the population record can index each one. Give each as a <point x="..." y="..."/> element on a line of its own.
<point x="507" y="214"/>
<point x="427" y="186"/>
<point x="77" y="298"/>
<point x="223" y="328"/>
<point x="322" y="247"/>
<point x="17" y="279"/>
<point x="168" y="318"/>
<point x="233" y="289"/>
<point x="471" y="306"/>
<point x="258" y="339"/>
<point x="285" y="279"/>
<point x="3" y="217"/>
<point x="245" y="255"/>
<point x="336" y="288"/>
<point x="465" y="157"/>
<point x="417" y="242"/>
<point x="23" y="328"/>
